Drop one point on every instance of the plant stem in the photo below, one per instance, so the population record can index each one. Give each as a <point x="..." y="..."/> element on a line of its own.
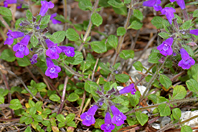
<point x="168" y="103"/>
<point x="152" y="79"/>
<point x="121" y="39"/>
<point x="90" y="23"/>
<point x="65" y="13"/>
<point x="63" y="95"/>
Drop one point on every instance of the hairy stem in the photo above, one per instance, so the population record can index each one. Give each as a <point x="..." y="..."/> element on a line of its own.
<point x="121" y="39"/>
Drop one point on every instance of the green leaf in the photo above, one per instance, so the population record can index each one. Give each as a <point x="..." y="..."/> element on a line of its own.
<point x="127" y="1"/>
<point x="34" y="40"/>
<point x="153" y="57"/>
<point x="115" y="4"/>
<point x="195" y="13"/>
<point x="54" y="97"/>
<point x="77" y="59"/>
<point x="120" y="11"/>
<point x="192" y="85"/>
<point x="60" y="18"/>
<point x="113" y="41"/>
<point x="2" y="100"/>
<point x="58" y="36"/>
<point x="121" y="31"/>
<point x="186" y="25"/>
<point x="186" y="128"/>
<point x="134" y="99"/>
<point x="23" y="61"/>
<point x="31" y="103"/>
<point x="158" y="21"/>
<point x="89" y="86"/>
<point x="96" y="19"/>
<point x="60" y="118"/>
<point x="176" y="113"/>
<point x="99" y="46"/>
<point x="72" y="35"/>
<point x="15" y="104"/>
<point x="18" y="21"/>
<point x="138" y="66"/>
<point x="85" y="65"/>
<point x="29" y="15"/>
<point x="138" y="14"/>
<point x="8" y="55"/>
<point x="70" y="117"/>
<point x="141" y="117"/>
<point x="73" y="97"/>
<point x="72" y="124"/>
<point x="46" y="123"/>
<point x="194" y="72"/>
<point x="136" y="25"/>
<point x="179" y="92"/>
<point x="85" y="5"/>
<point x="45" y="20"/>
<point x="126" y="54"/>
<point x="37" y="118"/>
<point x="188" y="49"/>
<point x="5" y="12"/>
<point x="98" y="123"/>
<point x="3" y="92"/>
<point x="28" y="129"/>
<point x="104" y="67"/>
<point x="32" y="110"/>
<point x="163" y="35"/>
<point x="165" y="81"/>
<point x="164" y="110"/>
<point x="122" y="77"/>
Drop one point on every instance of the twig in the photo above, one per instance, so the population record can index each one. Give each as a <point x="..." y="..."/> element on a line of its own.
<point x="12" y="73"/>
<point x="152" y="79"/>
<point x="168" y="103"/>
<point x="4" y="22"/>
<point x="148" y="44"/>
<point x="9" y="94"/>
<point x="63" y="95"/>
<point x="94" y="69"/>
<point x="28" y="69"/>
<point x="90" y="23"/>
<point x="121" y="39"/>
<point x="65" y="12"/>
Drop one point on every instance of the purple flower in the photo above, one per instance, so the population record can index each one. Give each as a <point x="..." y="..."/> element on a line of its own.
<point x="12" y="35"/>
<point x="21" y="48"/>
<point x="181" y="3"/>
<point x="52" y="70"/>
<point x="165" y="48"/>
<point x="169" y="12"/>
<point x="127" y="89"/>
<point x="53" y="50"/>
<point x="88" y="117"/>
<point x="153" y="3"/>
<point x="54" y="21"/>
<point x="186" y="62"/>
<point x="108" y="126"/>
<point x="45" y="6"/>
<point x="194" y="31"/>
<point x="33" y="60"/>
<point x="118" y="117"/>
<point x="69" y="51"/>
<point x="6" y="2"/>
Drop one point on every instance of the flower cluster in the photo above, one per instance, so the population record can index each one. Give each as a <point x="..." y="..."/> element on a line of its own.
<point x="166" y="47"/>
<point x="52" y="50"/>
<point x="6" y="2"/>
<point x="118" y="117"/>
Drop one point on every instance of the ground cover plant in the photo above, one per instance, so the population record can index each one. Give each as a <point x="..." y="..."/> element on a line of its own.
<point x="98" y="65"/>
